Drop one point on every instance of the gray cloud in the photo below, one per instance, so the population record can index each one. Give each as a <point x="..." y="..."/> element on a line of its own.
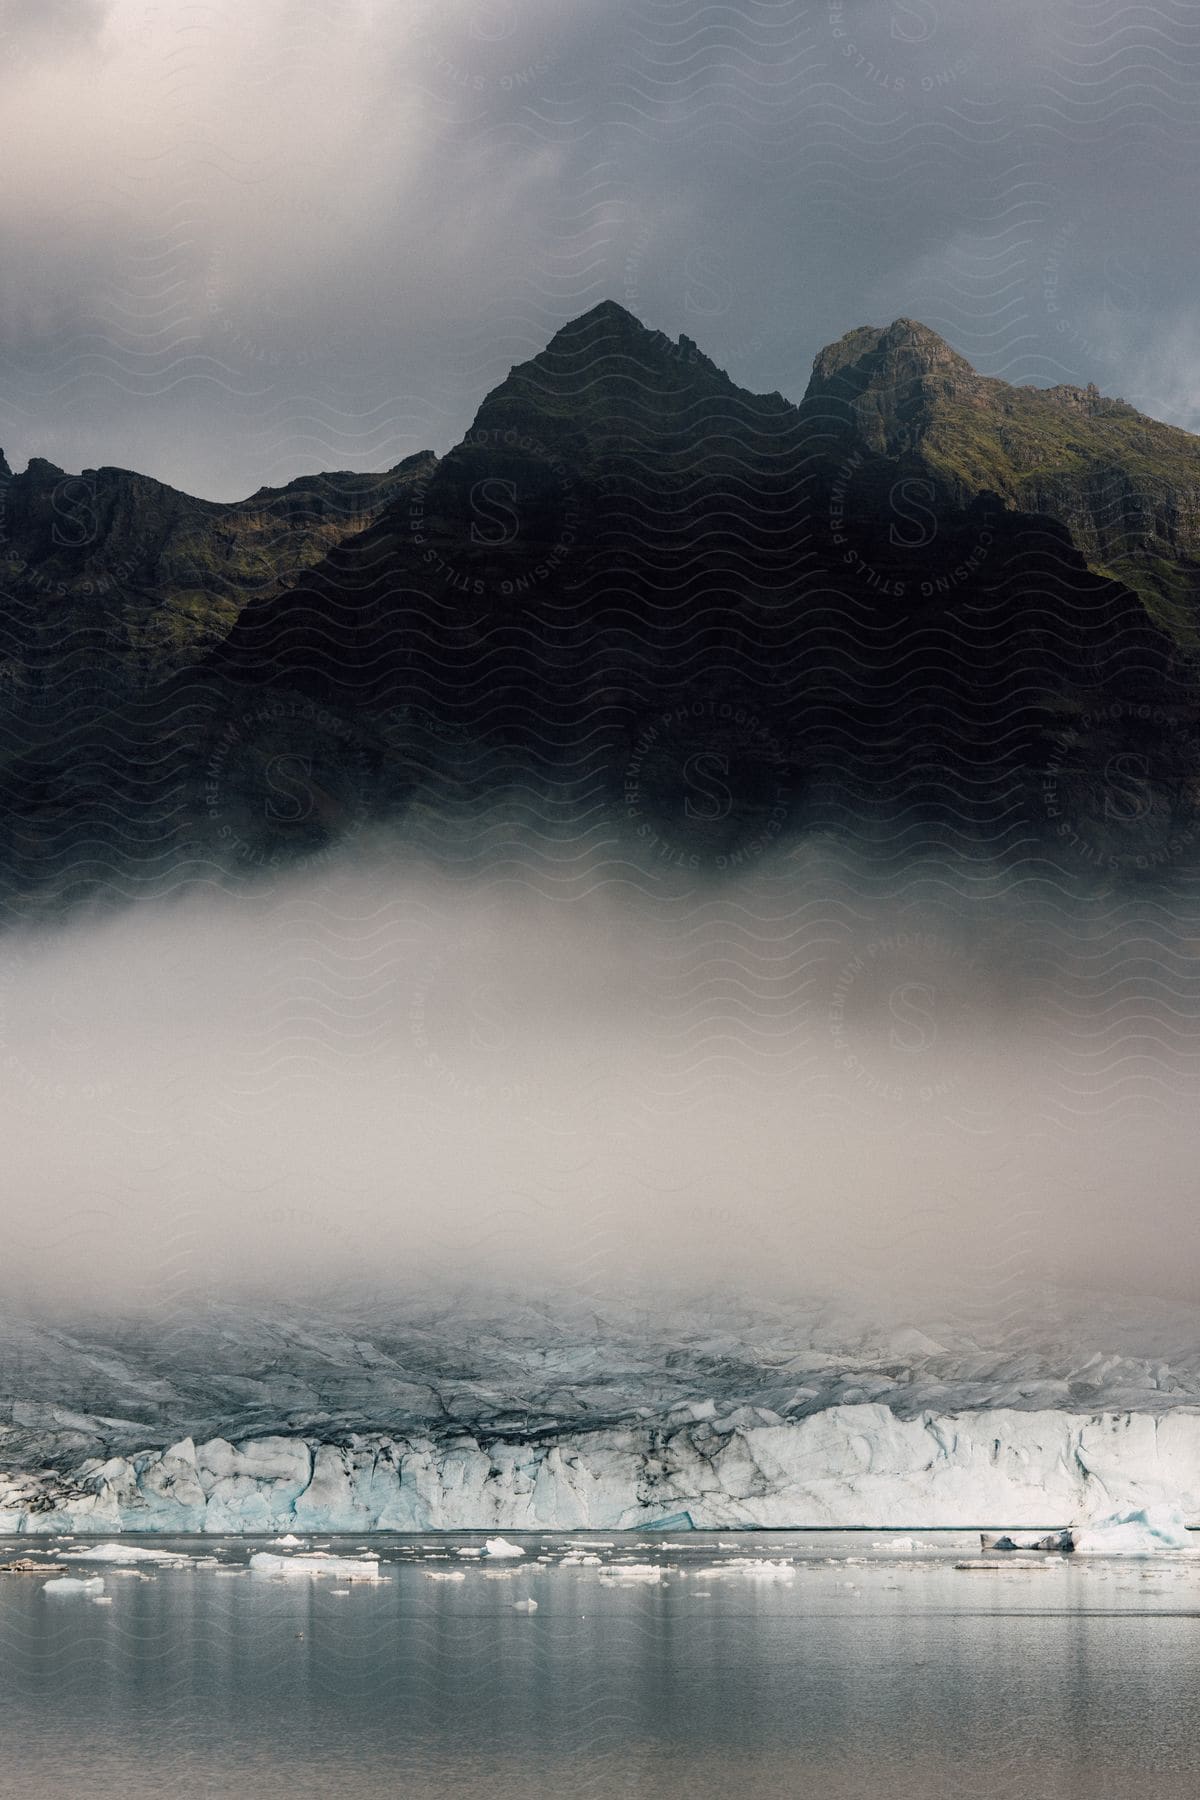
<point x="378" y="1076"/>
<point x="277" y="236"/>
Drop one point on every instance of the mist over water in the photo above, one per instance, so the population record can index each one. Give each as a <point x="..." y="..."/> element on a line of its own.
<point x="376" y="1077"/>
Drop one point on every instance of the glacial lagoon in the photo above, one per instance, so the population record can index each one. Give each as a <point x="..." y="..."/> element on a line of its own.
<point x="837" y="1665"/>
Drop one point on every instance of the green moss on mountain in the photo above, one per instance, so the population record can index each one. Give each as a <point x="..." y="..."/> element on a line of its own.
<point x="120" y="573"/>
<point x="1126" y="487"/>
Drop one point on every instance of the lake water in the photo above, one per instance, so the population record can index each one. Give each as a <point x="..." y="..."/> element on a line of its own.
<point x="897" y="1676"/>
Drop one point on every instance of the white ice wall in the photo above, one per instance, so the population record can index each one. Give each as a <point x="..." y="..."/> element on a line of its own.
<point x="847" y="1466"/>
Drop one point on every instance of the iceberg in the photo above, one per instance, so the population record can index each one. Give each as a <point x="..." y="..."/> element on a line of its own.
<point x="74" y="1584"/>
<point x="352" y="1568"/>
<point x="124" y="1553"/>
<point x="1135" y="1531"/>
<point x="499" y="1546"/>
<point x="1049" y="1541"/>
<point x="753" y="1568"/>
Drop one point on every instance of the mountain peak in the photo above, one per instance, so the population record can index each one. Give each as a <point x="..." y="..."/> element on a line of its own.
<point x="610" y="312"/>
<point x="42" y="470"/>
<point x="872" y="355"/>
<point x="605" y="377"/>
<point x="605" y="330"/>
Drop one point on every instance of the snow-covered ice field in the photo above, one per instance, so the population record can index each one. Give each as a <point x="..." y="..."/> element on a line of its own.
<point x="834" y="1664"/>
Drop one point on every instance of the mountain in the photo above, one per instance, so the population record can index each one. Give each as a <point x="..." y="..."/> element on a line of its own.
<point x="919" y="607"/>
<point x="1126" y="487"/>
<point x="633" y="571"/>
<point x="116" y="566"/>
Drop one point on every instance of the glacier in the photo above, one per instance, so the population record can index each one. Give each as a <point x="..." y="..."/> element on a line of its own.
<point x="498" y="1415"/>
<point x="849" y="1466"/>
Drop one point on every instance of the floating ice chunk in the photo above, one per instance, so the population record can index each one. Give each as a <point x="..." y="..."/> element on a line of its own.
<point x="1010" y="1563"/>
<point x="123" y="1553"/>
<point x="75" y="1584"/>
<point x="445" y="1574"/>
<point x="902" y="1544"/>
<point x="289" y="1537"/>
<point x="580" y="1559"/>
<point x="634" y="1572"/>
<point x="351" y="1568"/>
<point x="468" y="1552"/>
<point x="755" y="1568"/>
<point x="1134" y="1531"/>
<point x="501" y="1547"/>
<point x="524" y="1606"/>
<point x="1053" y="1540"/>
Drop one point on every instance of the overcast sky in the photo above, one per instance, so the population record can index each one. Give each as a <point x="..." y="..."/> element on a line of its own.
<point x="250" y="238"/>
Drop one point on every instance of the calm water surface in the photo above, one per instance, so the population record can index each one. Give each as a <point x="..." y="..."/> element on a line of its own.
<point x="896" y="1676"/>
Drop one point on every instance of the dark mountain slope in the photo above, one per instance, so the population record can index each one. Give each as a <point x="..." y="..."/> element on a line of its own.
<point x="715" y="619"/>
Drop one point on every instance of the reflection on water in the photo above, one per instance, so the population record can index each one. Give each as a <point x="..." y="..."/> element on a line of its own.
<point x="896" y="1675"/>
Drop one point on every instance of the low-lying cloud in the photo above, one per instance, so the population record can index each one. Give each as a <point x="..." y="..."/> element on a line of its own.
<point x="374" y="1076"/>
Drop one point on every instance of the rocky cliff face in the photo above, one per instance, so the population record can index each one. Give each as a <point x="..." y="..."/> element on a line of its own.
<point x="113" y="572"/>
<point x="1126" y="487"/>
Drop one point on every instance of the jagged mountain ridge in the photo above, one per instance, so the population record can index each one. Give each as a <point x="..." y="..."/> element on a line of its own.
<point x="114" y="564"/>
<point x="631" y="568"/>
